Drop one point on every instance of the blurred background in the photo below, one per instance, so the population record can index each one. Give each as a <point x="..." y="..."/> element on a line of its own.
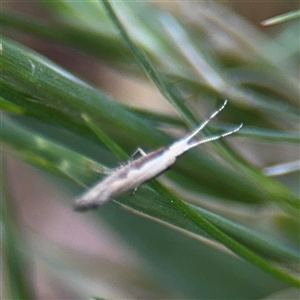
<point x="114" y="253"/>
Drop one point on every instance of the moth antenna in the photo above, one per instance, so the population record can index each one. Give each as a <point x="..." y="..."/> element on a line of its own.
<point x="206" y="122"/>
<point x="216" y="137"/>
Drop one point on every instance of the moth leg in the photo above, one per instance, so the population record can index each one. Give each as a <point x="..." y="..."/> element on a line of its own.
<point x="134" y="191"/>
<point x="139" y="151"/>
<point x="142" y="153"/>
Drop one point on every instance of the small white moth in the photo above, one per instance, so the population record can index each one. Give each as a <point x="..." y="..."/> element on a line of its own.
<point x="148" y="166"/>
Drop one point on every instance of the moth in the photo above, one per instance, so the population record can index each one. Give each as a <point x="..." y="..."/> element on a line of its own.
<point x="136" y="172"/>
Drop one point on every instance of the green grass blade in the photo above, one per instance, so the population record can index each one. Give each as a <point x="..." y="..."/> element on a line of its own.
<point x="47" y="103"/>
<point x="281" y="18"/>
<point x="184" y="216"/>
<point x="46" y="154"/>
<point x="15" y="267"/>
<point x="149" y="69"/>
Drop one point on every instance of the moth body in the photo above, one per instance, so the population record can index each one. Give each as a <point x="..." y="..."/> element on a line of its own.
<point x="136" y="172"/>
<point x="126" y="178"/>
